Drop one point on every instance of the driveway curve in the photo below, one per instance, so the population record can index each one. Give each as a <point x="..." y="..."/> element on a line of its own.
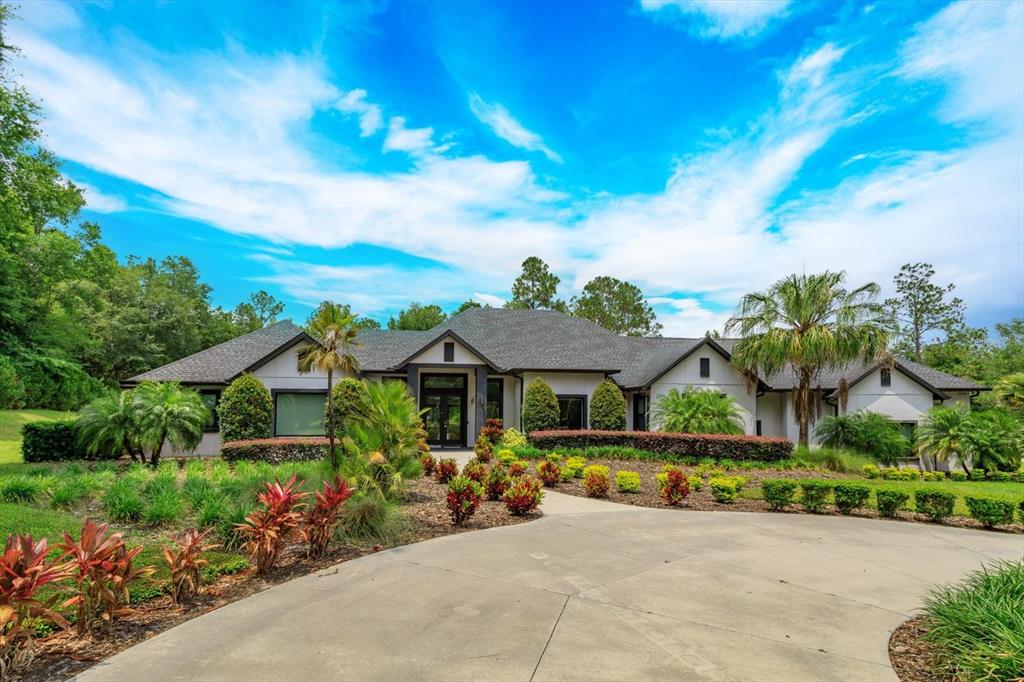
<point x="593" y="590"/>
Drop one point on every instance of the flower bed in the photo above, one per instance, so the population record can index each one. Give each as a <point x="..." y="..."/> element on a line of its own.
<point x="674" y="444"/>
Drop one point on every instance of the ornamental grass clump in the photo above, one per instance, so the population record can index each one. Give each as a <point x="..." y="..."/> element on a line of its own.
<point x="814" y="495"/>
<point x="674" y="486"/>
<point x="464" y="496"/>
<point x="778" y="492"/>
<point x="185" y="561"/>
<point x="266" y="529"/>
<point x="497" y="481"/>
<point x="550" y="473"/>
<point x="123" y="500"/>
<point x="890" y="502"/>
<point x="475" y="470"/>
<point x="935" y="504"/>
<point x="320" y="519"/>
<point x="627" y="481"/>
<point x="596" y="480"/>
<point x="22" y="489"/>
<point x="851" y="496"/>
<point x="990" y="512"/>
<point x="523" y="495"/>
<point x="446" y="470"/>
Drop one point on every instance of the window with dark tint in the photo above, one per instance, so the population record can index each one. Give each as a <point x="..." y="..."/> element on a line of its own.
<point x="210" y="398"/>
<point x="444" y="381"/>
<point x="571" y="410"/>
<point x="299" y="414"/>
<point x="886" y="375"/>
<point x="495" y="398"/>
<point x="449" y="352"/>
<point x="639" y="412"/>
<point x="758" y="426"/>
<point x="705" y="367"/>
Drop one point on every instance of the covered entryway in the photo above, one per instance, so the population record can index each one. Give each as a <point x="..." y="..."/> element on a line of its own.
<point x="444" y="397"/>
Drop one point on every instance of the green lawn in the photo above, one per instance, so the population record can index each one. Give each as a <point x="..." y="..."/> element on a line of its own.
<point x="11" y="422"/>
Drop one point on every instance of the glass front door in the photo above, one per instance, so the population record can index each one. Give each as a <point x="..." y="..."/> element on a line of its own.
<point x="444" y="399"/>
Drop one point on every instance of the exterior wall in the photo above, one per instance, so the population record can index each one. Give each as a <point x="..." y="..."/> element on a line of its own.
<point x="209" y="446"/>
<point x="904" y="401"/>
<point x="770" y="412"/>
<point x="723" y="377"/>
<point x="435" y="355"/>
<point x="569" y="383"/>
<point x="282" y="373"/>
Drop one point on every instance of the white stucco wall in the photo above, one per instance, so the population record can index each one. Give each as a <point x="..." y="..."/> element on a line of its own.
<point x="723" y="377"/>
<point x="435" y="354"/>
<point x="904" y="401"/>
<point x="770" y="409"/>
<point x="282" y="373"/>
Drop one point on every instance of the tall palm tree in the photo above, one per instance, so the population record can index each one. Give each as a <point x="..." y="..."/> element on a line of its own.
<point x="807" y="323"/>
<point x="168" y="413"/>
<point x="110" y="425"/>
<point x="697" y="411"/>
<point x="335" y="334"/>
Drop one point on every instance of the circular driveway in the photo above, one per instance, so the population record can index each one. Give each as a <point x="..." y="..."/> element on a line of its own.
<point x="593" y="590"/>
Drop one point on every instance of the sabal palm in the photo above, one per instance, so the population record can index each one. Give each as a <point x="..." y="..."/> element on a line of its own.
<point x="335" y="334"/>
<point x="697" y="411"/>
<point x="110" y="425"/>
<point x="1010" y="391"/>
<point x="168" y="413"/>
<point x="807" y="323"/>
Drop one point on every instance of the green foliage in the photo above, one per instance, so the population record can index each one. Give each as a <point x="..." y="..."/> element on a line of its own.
<point x="387" y="427"/>
<point x="111" y="425"/>
<point x="22" y="489"/>
<point x="989" y="511"/>
<point x="12" y="391"/>
<point x="933" y="503"/>
<point x="957" y="476"/>
<point x="865" y="431"/>
<point x="464" y="496"/>
<point x="870" y="471"/>
<point x="348" y="395"/>
<point x="725" y="489"/>
<point x="842" y="461"/>
<point x="899" y="474"/>
<point x="245" y="410"/>
<point x="976" y="628"/>
<point x="549" y="473"/>
<point x="50" y="441"/>
<point x="575" y="466"/>
<point x="163" y="506"/>
<point x="608" y="407"/>
<point x="535" y="288"/>
<point x="540" y="407"/>
<point x="523" y="495"/>
<point x="814" y="495"/>
<point x="617" y="306"/>
<point x="889" y="502"/>
<point x="920" y="306"/>
<point x="596" y="480"/>
<point x="418" y="317"/>
<point x="851" y="496"/>
<point x="68" y="493"/>
<point x="123" y="500"/>
<point x="697" y="411"/>
<point x="991" y="439"/>
<point x="512" y="439"/>
<point x="169" y="414"/>
<point x="627" y="481"/>
<point x="778" y="492"/>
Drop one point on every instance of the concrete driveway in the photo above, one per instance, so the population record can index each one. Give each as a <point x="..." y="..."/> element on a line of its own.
<point x="591" y="591"/>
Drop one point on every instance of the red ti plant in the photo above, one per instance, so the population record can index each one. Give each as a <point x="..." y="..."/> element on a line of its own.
<point x="102" y="566"/>
<point x="523" y="496"/>
<point x="428" y="462"/>
<point x="320" y="519"/>
<point x="185" y="561"/>
<point x="675" y="487"/>
<point x="446" y="470"/>
<point x="23" y="570"/>
<point x="464" y="496"/>
<point x="266" y="529"/>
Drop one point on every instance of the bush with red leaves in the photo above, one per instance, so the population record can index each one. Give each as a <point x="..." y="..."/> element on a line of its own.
<point x="523" y="495"/>
<point x="674" y="486"/>
<point x="445" y="470"/>
<point x="464" y="495"/>
<point x="550" y="473"/>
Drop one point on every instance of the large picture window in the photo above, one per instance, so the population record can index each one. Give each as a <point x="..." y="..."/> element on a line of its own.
<point x="572" y="412"/>
<point x="299" y="414"/>
<point x="495" y="398"/>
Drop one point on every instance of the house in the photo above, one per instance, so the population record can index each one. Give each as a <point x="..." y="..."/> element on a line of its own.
<point x="476" y="365"/>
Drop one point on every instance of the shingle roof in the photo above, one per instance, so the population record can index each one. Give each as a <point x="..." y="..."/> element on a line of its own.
<point x="223" y="362"/>
<point x="510" y="340"/>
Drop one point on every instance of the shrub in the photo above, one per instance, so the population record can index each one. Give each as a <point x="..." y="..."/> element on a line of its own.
<point x="596" y="480"/>
<point x="493" y="430"/>
<point x="475" y="470"/>
<point x="627" y="481"/>
<point x="814" y="494"/>
<point x="24" y="571"/>
<point x="850" y="496"/>
<point x="497" y="481"/>
<point x="550" y="473"/>
<point x="102" y="566"/>
<point x="575" y="466"/>
<point x="265" y="529"/>
<point x="463" y="498"/>
<point x="320" y="519"/>
<point x="482" y="448"/>
<point x="1000" y="476"/>
<point x="21" y="489"/>
<point x="724" y="489"/>
<point x="446" y="470"/>
<point x="506" y="456"/>
<point x="935" y="504"/>
<point x="608" y="407"/>
<point x="679" y="445"/>
<point x="778" y="492"/>
<point x="274" y="450"/>
<point x="523" y="495"/>
<point x="898" y="474"/>
<point x="932" y="476"/>
<point x="428" y="463"/>
<point x="864" y="431"/>
<point x="517" y="468"/>
<point x="843" y="461"/>
<point x="122" y="500"/>
<point x="69" y="493"/>
<point x="346" y="397"/>
<point x="889" y="502"/>
<point x="989" y="511"/>
<point x="245" y="411"/>
<point x="977" y="475"/>
<point x="51" y="442"/>
<point x="540" y="407"/>
<point x="958" y="476"/>
<point x="674" y="486"/>
<point x="513" y="439"/>
<point x="11" y="389"/>
<point x="870" y="471"/>
<point x="185" y="561"/>
<point x="696" y="482"/>
<point x="164" y="506"/>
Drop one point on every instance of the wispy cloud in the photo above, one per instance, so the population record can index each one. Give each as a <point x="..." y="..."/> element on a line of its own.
<point x="720" y="19"/>
<point x="98" y="201"/>
<point x="488" y="299"/>
<point x="402" y="139"/>
<point x="505" y="126"/>
<point x="370" y="118"/>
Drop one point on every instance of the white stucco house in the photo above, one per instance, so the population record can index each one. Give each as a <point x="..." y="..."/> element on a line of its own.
<point x="476" y="365"/>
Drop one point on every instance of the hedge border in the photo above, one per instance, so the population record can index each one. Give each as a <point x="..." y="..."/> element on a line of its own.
<point x="760" y="448"/>
<point x="275" y="450"/>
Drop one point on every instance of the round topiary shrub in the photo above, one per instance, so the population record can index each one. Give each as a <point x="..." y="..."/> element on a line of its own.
<point x="540" y="407"/>
<point x="608" y="407"/>
<point x="245" y="410"/>
<point x="346" y="395"/>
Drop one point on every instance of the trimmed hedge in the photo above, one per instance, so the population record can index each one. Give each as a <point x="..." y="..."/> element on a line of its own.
<point x="678" y="444"/>
<point x="540" y="406"/>
<point x="245" y="410"/>
<point x="275" y="450"/>
<point x="53" y="442"/>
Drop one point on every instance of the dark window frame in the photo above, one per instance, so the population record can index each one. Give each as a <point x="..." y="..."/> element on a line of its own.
<point x="214" y="425"/>
<point x="274" y="393"/>
<point x="500" y="401"/>
<point x="639" y="414"/>
<point x="757" y="428"/>
<point x="582" y="397"/>
<point x="885" y="376"/>
<point x="449" y="351"/>
<point x="705" y="368"/>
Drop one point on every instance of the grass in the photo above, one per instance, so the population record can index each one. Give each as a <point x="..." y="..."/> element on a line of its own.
<point x="11" y="422"/>
<point x="977" y="628"/>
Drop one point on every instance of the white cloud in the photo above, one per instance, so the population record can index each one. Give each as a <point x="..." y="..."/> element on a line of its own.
<point x="370" y="118"/>
<point x="505" y="126"/>
<point x="402" y="139"/>
<point x="96" y="200"/>
<point x="722" y="18"/>
<point x="686" y="317"/>
<point x="488" y="299"/>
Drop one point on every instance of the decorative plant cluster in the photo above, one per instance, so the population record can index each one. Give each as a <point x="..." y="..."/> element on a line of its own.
<point x="428" y="463"/>
<point x="890" y="502"/>
<point x="185" y="561"/>
<point x="990" y="512"/>
<point x="675" y="444"/>
<point x="506" y="456"/>
<point x="483" y="448"/>
<point x="512" y="439"/>
<point x="245" y="410"/>
<point x="912" y="474"/>
<point x="446" y="470"/>
<point x="523" y="495"/>
<point x="673" y="485"/>
<point x="627" y="481"/>
<point x="464" y="496"/>
<point x="935" y="504"/>
<point x="476" y="470"/>
<point x="814" y="495"/>
<point x="493" y="430"/>
<point x="321" y="518"/>
<point x="497" y="481"/>
<point x="608" y="407"/>
<point x="851" y="496"/>
<point x="540" y="408"/>
<point x="575" y="466"/>
<point x="726" y="489"/>
<point x="517" y="468"/>
<point x="778" y="492"/>
<point x="266" y="530"/>
<point x="596" y="480"/>
<point x="549" y="473"/>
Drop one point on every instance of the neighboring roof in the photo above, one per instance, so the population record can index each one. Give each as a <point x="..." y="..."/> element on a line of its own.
<point x="223" y="362"/>
<point x="516" y="340"/>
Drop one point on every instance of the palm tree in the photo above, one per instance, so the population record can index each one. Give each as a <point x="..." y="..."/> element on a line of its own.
<point x="110" y="425"/>
<point x="807" y="323"/>
<point x="945" y="432"/>
<point x="168" y="413"/>
<point x="385" y="429"/>
<point x="697" y="411"/>
<point x="335" y="334"/>
<point x="1009" y="391"/>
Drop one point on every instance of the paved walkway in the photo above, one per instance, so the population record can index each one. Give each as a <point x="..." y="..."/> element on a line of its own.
<point x="593" y="590"/>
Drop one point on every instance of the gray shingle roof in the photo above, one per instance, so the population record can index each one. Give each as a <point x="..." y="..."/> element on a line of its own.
<point x="511" y="340"/>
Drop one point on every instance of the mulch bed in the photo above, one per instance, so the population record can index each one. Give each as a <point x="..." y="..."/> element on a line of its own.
<point x="911" y="656"/>
<point x="64" y="655"/>
<point x="703" y="501"/>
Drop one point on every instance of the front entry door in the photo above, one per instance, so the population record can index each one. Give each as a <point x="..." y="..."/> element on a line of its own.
<point x="444" y="398"/>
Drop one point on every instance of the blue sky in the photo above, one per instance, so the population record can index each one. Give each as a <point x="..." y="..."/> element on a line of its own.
<point x="378" y="153"/>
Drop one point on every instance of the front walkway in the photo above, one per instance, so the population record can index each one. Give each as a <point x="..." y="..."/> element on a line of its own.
<point x="591" y="591"/>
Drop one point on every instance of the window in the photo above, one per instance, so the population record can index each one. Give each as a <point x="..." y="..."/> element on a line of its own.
<point x="572" y="410"/>
<point x="449" y="352"/>
<point x="758" y="427"/>
<point x="495" y="398"/>
<point x="908" y="429"/>
<point x="639" y="412"/>
<point x="444" y="381"/>
<point x="211" y="398"/>
<point x="886" y="376"/>
<point x="299" y="414"/>
<point x="705" y="367"/>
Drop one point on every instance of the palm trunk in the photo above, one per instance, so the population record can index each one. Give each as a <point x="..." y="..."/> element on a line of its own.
<point x="803" y="409"/>
<point x="154" y="458"/>
<point x="330" y="419"/>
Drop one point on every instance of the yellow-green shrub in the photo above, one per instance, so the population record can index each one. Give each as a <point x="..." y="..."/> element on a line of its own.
<point x="627" y="481"/>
